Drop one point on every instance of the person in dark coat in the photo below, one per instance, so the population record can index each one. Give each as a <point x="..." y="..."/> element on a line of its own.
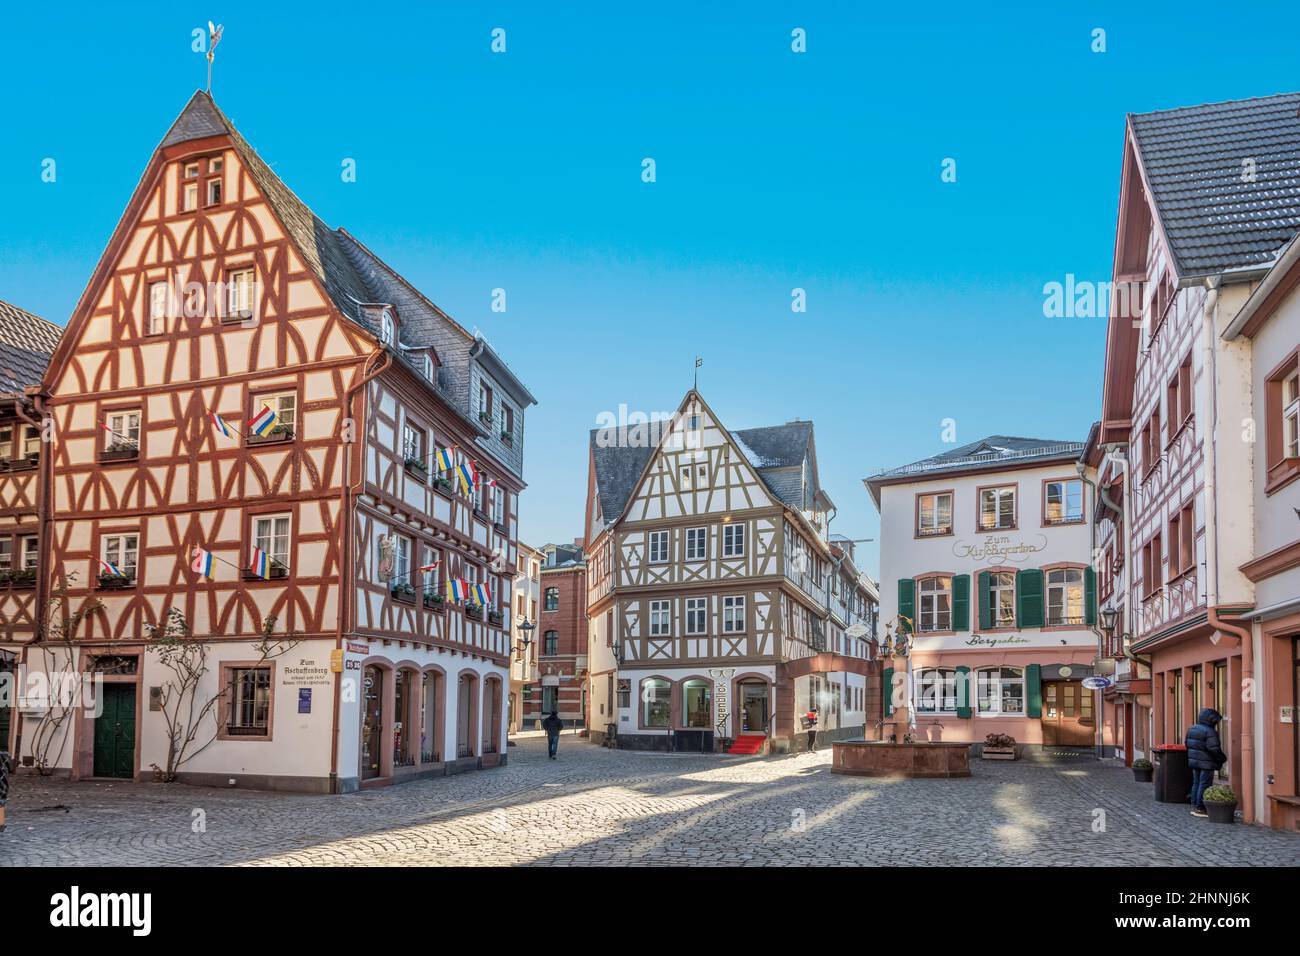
<point x="1204" y="756"/>
<point x="810" y="721"/>
<point x="552" y="725"/>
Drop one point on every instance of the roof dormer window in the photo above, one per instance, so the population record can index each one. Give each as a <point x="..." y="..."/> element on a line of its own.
<point x="428" y="367"/>
<point x="191" y="170"/>
<point x="387" y="328"/>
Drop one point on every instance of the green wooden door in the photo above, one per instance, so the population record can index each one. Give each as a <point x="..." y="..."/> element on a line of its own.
<point x="115" y="732"/>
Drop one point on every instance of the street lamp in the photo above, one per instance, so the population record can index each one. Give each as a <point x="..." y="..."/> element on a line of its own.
<point x="527" y="627"/>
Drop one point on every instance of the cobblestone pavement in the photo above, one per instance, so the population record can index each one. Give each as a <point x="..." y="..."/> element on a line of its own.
<point x="601" y="807"/>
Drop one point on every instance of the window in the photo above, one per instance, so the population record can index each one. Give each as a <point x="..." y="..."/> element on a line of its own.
<point x="507" y="419"/>
<point x="1151" y="450"/>
<point x="190" y="197"/>
<point x="997" y="508"/>
<point x="1000" y="690"/>
<point x="935" y="599"/>
<point x="6" y="442"/>
<point x="658" y="547"/>
<point x="936" y="690"/>
<point x="413" y="444"/>
<point x="697" y="544"/>
<point x="697" y="703"/>
<point x="427" y="366"/>
<point x="191" y="170"/>
<point x="1002" y="598"/>
<point x="1291" y="416"/>
<point x="1152" y="572"/>
<point x="249" y="706"/>
<point x="6" y="554"/>
<point x="552" y="599"/>
<point x="215" y="165"/>
<point x="285" y="406"/>
<point x="484" y="402"/>
<point x="733" y="540"/>
<point x="432" y="556"/>
<point x="733" y="614"/>
<point x="1282" y="424"/>
<point x="660" y="619"/>
<point x="157" y="323"/>
<point x="214" y="192"/>
<point x="1064" y="596"/>
<point x="934" y="514"/>
<point x="624" y="693"/>
<point x="551" y="643"/>
<point x="498" y="506"/>
<point x="656" y="703"/>
<point x="121" y="551"/>
<point x="31" y="551"/>
<point x="271" y="534"/>
<point x="696" y="615"/>
<point x="239" y="294"/>
<point x="401" y="560"/>
<point x="1182" y="541"/>
<point x="1064" y="502"/>
<point x="386" y="328"/>
<point x="1178" y="396"/>
<point x="123" y="430"/>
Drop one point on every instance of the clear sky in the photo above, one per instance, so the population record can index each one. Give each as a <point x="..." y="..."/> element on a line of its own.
<point x="775" y="170"/>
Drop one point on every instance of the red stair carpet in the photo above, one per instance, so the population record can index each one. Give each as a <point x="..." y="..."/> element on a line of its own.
<point x="747" y="744"/>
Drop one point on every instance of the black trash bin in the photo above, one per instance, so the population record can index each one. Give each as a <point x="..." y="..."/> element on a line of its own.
<point x="1172" y="778"/>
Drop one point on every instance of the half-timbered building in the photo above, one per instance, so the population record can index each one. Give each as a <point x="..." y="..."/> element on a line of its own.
<point x="1206" y="203"/>
<point x="26" y="343"/>
<point x="333" y="523"/>
<point x="708" y="562"/>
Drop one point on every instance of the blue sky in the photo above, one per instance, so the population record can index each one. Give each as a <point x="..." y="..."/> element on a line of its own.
<point x="775" y="170"/>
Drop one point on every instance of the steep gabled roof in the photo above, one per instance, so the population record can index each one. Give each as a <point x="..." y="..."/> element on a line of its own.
<point x="987" y="454"/>
<point x="618" y="466"/>
<point x="1225" y="179"/>
<point x="26" y="343"/>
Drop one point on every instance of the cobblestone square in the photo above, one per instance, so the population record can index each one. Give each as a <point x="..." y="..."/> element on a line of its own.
<point x="596" y="807"/>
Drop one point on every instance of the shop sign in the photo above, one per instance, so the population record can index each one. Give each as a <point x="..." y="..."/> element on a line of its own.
<point x="1096" y="683"/>
<point x="721" y="694"/>
<point x="304" y="700"/>
<point x="996" y="550"/>
<point x="355" y="648"/>
<point x="980" y="640"/>
<point x="1286" y="715"/>
<point x="306" y="672"/>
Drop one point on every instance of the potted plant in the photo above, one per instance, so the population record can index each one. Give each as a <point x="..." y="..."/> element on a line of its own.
<point x="402" y="591"/>
<point x="419" y="466"/>
<point x="999" y="747"/>
<point x="111" y="582"/>
<point x="119" y="451"/>
<point x="485" y="417"/>
<point x="1220" y="804"/>
<point x="434" y="600"/>
<point x="443" y="483"/>
<point x="508" y="437"/>
<point x="23" y="577"/>
<point x="495" y="617"/>
<point x="1142" y="768"/>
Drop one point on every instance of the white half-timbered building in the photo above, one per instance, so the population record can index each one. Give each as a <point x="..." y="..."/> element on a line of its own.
<point x="708" y="588"/>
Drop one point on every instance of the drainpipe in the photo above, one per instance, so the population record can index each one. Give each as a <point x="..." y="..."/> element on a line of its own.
<point x="346" y="587"/>
<point x="1242" y="634"/>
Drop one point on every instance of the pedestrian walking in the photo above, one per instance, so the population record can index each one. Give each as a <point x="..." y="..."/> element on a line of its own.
<point x="1204" y="756"/>
<point x="552" y="725"/>
<point x="810" y="721"/>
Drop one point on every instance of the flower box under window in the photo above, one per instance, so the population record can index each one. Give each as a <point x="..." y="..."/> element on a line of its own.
<point x="480" y="513"/>
<point x="280" y="433"/>
<point x="417" y="468"/>
<point x="485" y="418"/>
<point x="434" y="601"/>
<point x="443" y="485"/>
<point x="275" y="574"/>
<point x="474" y="612"/>
<point x="403" y="592"/>
<point x="499" y="527"/>
<point x="24" y="464"/>
<point x="21" y="578"/>
<point x="116" y="582"/>
<point x="508" y="437"/>
<point x="119" y="453"/>
<point x="496" y="617"/>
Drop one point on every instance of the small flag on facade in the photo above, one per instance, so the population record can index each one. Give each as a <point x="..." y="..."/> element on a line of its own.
<point x="455" y="589"/>
<point x="221" y="425"/>
<point x="445" y="462"/>
<point x="482" y="594"/>
<point x="430" y="567"/>
<point x="261" y="563"/>
<point x="202" y="562"/>
<point x="466" y="475"/>
<point x="111" y="569"/>
<point x="263" y="422"/>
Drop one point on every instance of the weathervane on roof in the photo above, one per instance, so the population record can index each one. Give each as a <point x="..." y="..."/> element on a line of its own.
<point x="698" y="362"/>
<point x="214" y="37"/>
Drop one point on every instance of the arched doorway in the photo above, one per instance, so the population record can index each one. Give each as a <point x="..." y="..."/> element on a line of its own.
<point x="491" y="715"/>
<point x="432" y="735"/>
<point x="753" y="706"/>
<point x="466" y="714"/>
<point x="372" y="723"/>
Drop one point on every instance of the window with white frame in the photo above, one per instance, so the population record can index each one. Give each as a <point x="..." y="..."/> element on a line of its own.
<point x="934" y="514"/>
<point x="386" y="327"/>
<point x="284" y="404"/>
<point x="656" y="703"/>
<point x="31" y="551"/>
<point x="121" y="551"/>
<point x="401" y="560"/>
<point x="158" y="294"/>
<point x="997" y="508"/>
<point x="696" y="615"/>
<point x="1291" y="415"/>
<point x="249" y="701"/>
<point x="271" y="534"/>
<point x="432" y="556"/>
<point x="660" y="618"/>
<point x="733" y="540"/>
<point x="658" y="547"/>
<point x="239" y="293"/>
<point x="6" y="554"/>
<point x="6" y="442"/>
<point x="31" y="441"/>
<point x="934" y="603"/>
<point x="936" y="690"/>
<point x="190" y="197"/>
<point x="1065" y="596"/>
<point x="123" y="429"/>
<point x="1002" y="598"/>
<point x="733" y="614"/>
<point x="484" y="401"/>
<point x="1064" y="502"/>
<point x="413" y="443"/>
<point x="214" y="191"/>
<point x="1000" y="690"/>
<point x="498" y="505"/>
<point x="697" y="544"/>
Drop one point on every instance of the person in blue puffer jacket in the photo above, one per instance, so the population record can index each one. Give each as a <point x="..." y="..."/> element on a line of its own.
<point x="1204" y="756"/>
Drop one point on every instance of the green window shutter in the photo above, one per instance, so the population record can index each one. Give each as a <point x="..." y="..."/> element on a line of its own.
<point x="1089" y="596"/>
<point x="907" y="600"/>
<point x="984" y="590"/>
<point x="965" y="691"/>
<point x="1034" y="690"/>
<point x="1029" y="597"/>
<point x="961" y="602"/>
<point x="887" y="689"/>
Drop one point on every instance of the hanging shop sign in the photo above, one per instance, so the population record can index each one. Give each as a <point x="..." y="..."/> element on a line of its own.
<point x="721" y="696"/>
<point x="1096" y="683"/>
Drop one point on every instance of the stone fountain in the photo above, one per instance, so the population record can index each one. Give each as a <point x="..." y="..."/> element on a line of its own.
<point x="898" y="753"/>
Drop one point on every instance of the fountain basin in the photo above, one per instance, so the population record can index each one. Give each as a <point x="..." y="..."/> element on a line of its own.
<point x="883" y="758"/>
